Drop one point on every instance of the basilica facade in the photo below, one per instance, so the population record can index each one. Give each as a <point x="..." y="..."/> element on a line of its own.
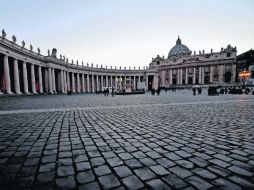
<point x="26" y="71"/>
<point x="183" y="67"/>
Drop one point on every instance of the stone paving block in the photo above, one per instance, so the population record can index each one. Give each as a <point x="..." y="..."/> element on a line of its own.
<point x="133" y="163"/>
<point x="47" y="167"/>
<point x="225" y="185"/>
<point x="157" y="184"/>
<point x="132" y="182"/>
<point x="240" y="171"/>
<point x="242" y="182"/>
<point x="102" y="170"/>
<point x="144" y="173"/>
<point x="180" y="172"/>
<point x="122" y="171"/>
<point x="114" y="161"/>
<point x="109" y="181"/>
<point x="83" y="166"/>
<point x="63" y="171"/>
<point x="45" y="177"/>
<point x="66" y="183"/>
<point x="204" y="173"/>
<point x="97" y="161"/>
<point x="199" y="183"/>
<point x="85" y="176"/>
<point x="186" y="164"/>
<point x="158" y="169"/>
<point x="174" y="181"/>
<point x="90" y="186"/>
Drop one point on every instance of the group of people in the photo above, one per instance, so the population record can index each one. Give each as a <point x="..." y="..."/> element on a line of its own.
<point x="215" y="91"/>
<point x="106" y="92"/>
<point x="198" y="90"/>
<point x="157" y="91"/>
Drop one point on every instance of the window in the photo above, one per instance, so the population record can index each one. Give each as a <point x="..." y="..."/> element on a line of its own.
<point x="228" y="54"/>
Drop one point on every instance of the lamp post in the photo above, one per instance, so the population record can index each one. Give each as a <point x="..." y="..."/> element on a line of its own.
<point x="244" y="75"/>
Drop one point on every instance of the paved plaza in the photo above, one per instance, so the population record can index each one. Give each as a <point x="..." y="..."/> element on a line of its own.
<point x="171" y="141"/>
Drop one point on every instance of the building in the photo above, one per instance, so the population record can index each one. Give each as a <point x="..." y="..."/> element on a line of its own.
<point x="184" y="67"/>
<point x="24" y="71"/>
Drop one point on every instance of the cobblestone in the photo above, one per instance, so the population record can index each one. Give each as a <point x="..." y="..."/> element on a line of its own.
<point x="172" y="141"/>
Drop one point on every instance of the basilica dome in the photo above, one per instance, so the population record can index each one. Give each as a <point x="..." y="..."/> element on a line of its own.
<point x="179" y="50"/>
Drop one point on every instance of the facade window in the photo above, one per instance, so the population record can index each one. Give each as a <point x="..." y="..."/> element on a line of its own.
<point x="228" y="54"/>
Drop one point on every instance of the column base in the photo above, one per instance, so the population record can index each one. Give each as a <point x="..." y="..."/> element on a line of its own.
<point x="9" y="93"/>
<point x="18" y="93"/>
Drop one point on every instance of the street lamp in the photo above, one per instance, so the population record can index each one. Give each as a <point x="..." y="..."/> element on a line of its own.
<point x="244" y="75"/>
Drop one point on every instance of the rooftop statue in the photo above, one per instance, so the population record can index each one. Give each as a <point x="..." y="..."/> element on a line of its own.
<point x="39" y="51"/>
<point x="82" y="63"/>
<point x="77" y="62"/>
<point x="67" y="60"/>
<point x="48" y="52"/>
<point x="23" y="44"/>
<point x="14" y="39"/>
<point x="3" y="34"/>
<point x="31" y="47"/>
<point x="54" y="52"/>
<point x="60" y="56"/>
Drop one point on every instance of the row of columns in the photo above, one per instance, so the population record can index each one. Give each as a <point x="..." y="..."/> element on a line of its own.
<point x="201" y="75"/>
<point x="79" y="82"/>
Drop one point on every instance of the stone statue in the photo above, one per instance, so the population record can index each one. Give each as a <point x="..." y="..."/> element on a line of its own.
<point x="3" y="34"/>
<point x="194" y="52"/>
<point x="60" y="56"/>
<point x="77" y="62"/>
<point x="54" y="52"/>
<point x="124" y="68"/>
<point x="82" y="63"/>
<point x="211" y="51"/>
<point x="203" y="52"/>
<point x="67" y="60"/>
<point x="139" y="68"/>
<point x="96" y="65"/>
<point x="64" y="58"/>
<point x="23" y="44"/>
<point x="92" y="65"/>
<point x="120" y="67"/>
<point x="106" y="66"/>
<point x="115" y="67"/>
<point x="129" y="68"/>
<point x="39" y="51"/>
<point x="14" y="39"/>
<point x="72" y="61"/>
<point x="87" y="64"/>
<point x="48" y="52"/>
<point x="199" y="52"/>
<point x="134" y="68"/>
<point x="144" y="67"/>
<point x="101" y="66"/>
<point x="31" y="47"/>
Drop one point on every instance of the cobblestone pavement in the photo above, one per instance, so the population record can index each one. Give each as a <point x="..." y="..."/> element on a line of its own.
<point x="172" y="141"/>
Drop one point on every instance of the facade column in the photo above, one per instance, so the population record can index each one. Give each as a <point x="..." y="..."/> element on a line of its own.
<point x="93" y="83"/>
<point x="211" y="74"/>
<point x="53" y="80"/>
<point x="163" y="78"/>
<point x="83" y="82"/>
<point x="101" y="82"/>
<point x="134" y="83"/>
<point x="181" y="76"/>
<point x="16" y="77"/>
<point x="88" y="82"/>
<point x="25" y="78"/>
<point x="170" y="77"/>
<point x="7" y="75"/>
<point x="65" y="82"/>
<point x="194" y="76"/>
<point x="203" y="75"/>
<point x="73" y="83"/>
<point x="125" y="82"/>
<point x="111" y="81"/>
<point x="62" y="80"/>
<point x="40" y="80"/>
<point x="233" y="73"/>
<point x="146" y="81"/>
<point x="221" y="71"/>
<point x="199" y="75"/>
<point x="186" y="76"/>
<point x="106" y="81"/>
<point x="78" y="83"/>
<point x="50" y="81"/>
<point x="68" y="82"/>
<point x="178" y="76"/>
<point x="115" y="82"/>
<point x="33" y="79"/>
<point x="97" y="83"/>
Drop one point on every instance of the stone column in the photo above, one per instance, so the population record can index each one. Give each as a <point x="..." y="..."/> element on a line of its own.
<point x="50" y="81"/>
<point x="194" y="76"/>
<point x="93" y="83"/>
<point x="146" y="82"/>
<point x="199" y="75"/>
<point x="134" y="83"/>
<point x="116" y="82"/>
<point x="40" y="80"/>
<point x="186" y="76"/>
<point x="97" y="82"/>
<point x="181" y="76"/>
<point x="83" y="82"/>
<point x="233" y="73"/>
<point x="170" y="77"/>
<point x="73" y="83"/>
<point x="101" y="82"/>
<point x="111" y="81"/>
<point x="106" y="81"/>
<point x="68" y="82"/>
<point x="33" y="79"/>
<point x="78" y="83"/>
<point x="46" y="79"/>
<point x="88" y="82"/>
<point x="7" y="75"/>
<point x="211" y="74"/>
<point x="62" y="81"/>
<point x="53" y="80"/>
<point x="203" y="75"/>
<point x="65" y="81"/>
<point x="221" y="71"/>
<point x="16" y="77"/>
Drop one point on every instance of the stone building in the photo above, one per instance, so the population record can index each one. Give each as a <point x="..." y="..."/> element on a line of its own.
<point x="23" y="71"/>
<point x="183" y="67"/>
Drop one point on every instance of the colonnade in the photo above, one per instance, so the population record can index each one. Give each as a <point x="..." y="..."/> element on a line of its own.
<point x="196" y="75"/>
<point x="44" y="78"/>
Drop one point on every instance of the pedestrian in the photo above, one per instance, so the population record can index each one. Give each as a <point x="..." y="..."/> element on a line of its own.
<point x="107" y="91"/>
<point x="194" y="91"/>
<point x="158" y="91"/>
<point x="113" y="92"/>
